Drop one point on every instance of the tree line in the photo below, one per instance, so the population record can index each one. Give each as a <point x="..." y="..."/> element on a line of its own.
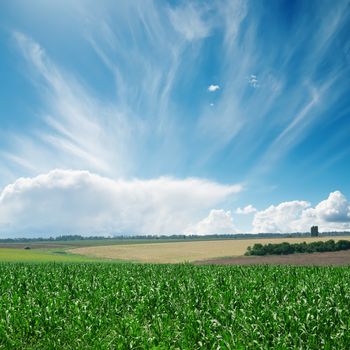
<point x="75" y="237"/>
<point x="292" y="248"/>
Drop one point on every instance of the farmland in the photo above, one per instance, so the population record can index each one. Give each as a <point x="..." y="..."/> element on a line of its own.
<point x="176" y="252"/>
<point x="341" y="258"/>
<point x="62" y="295"/>
<point x="40" y="255"/>
<point x="53" y="298"/>
<point x="135" y="306"/>
<point x="59" y="251"/>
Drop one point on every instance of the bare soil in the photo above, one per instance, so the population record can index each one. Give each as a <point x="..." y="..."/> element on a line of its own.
<point x="314" y="259"/>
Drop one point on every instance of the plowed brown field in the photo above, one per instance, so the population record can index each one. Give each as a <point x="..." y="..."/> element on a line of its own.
<point x="315" y="259"/>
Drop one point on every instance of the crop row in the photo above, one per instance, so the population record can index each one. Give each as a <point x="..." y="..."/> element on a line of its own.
<point x="134" y="306"/>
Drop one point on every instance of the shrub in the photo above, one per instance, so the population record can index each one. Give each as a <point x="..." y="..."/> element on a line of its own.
<point x="287" y="248"/>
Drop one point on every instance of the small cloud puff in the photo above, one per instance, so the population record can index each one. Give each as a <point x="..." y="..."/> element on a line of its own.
<point x="218" y="221"/>
<point x="213" y="88"/>
<point x="253" y="81"/>
<point x="249" y="209"/>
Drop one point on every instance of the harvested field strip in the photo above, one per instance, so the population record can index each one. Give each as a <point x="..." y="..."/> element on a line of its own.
<point x="315" y="259"/>
<point x="183" y="251"/>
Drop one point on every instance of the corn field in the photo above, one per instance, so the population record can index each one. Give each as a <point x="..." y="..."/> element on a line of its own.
<point x="134" y="306"/>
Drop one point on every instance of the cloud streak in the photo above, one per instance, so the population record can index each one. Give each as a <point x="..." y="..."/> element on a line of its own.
<point x="188" y="20"/>
<point x="77" y="130"/>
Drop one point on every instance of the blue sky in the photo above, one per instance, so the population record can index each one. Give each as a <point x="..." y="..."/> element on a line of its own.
<point x="250" y="96"/>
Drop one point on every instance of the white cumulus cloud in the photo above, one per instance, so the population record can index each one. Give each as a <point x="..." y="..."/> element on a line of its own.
<point x="336" y="208"/>
<point x="218" y="221"/>
<point x="79" y="202"/>
<point x="285" y="217"/>
<point x="213" y="88"/>
<point x="249" y="209"/>
<point x="331" y="214"/>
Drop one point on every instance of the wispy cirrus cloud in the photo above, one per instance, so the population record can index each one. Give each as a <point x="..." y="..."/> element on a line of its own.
<point x="188" y="20"/>
<point x="126" y="95"/>
<point x="315" y="95"/>
<point x="77" y="130"/>
<point x="295" y="91"/>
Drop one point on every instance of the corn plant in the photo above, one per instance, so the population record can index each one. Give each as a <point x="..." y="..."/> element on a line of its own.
<point x="135" y="306"/>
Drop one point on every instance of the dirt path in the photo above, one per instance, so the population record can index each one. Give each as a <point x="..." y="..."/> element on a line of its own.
<point x="316" y="259"/>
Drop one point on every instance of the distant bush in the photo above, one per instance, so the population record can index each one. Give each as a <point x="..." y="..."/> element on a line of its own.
<point x="291" y="248"/>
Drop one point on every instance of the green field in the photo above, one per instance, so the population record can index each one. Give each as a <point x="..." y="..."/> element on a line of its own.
<point x="135" y="306"/>
<point x="41" y="255"/>
<point x="57" y="251"/>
